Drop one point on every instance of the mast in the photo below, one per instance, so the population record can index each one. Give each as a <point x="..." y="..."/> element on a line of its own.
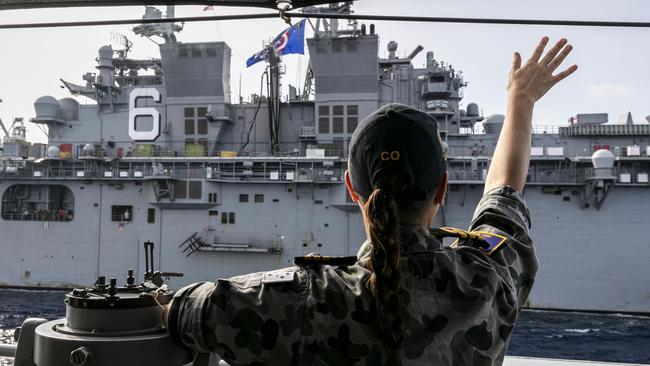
<point x="273" y="88"/>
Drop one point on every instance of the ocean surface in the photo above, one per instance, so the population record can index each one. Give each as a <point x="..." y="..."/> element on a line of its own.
<point x="550" y="334"/>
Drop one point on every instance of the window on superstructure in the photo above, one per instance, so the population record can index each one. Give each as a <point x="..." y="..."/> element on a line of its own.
<point x="337" y="125"/>
<point x="352" y="124"/>
<point x="196" y="124"/>
<point x="259" y="198"/>
<point x="352" y="118"/>
<point x="243" y="198"/>
<point x="195" y="189"/>
<point x="180" y="189"/>
<point x="202" y="127"/>
<point x="224" y="217"/>
<point x="211" y="51"/>
<point x="182" y="52"/>
<point x="189" y="127"/>
<point x="337" y="121"/>
<point x="121" y="213"/>
<point x="231" y="217"/>
<point x="196" y="52"/>
<point x="324" y="119"/>
<point x="151" y="216"/>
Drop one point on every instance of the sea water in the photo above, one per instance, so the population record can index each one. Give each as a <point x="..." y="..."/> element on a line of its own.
<point x="547" y="334"/>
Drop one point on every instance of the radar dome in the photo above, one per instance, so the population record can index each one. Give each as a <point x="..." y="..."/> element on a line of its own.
<point x="472" y="110"/>
<point x="105" y="52"/>
<point x="88" y="150"/>
<point x="603" y="159"/>
<point x="47" y="108"/>
<point x="53" y="152"/>
<point x="494" y="123"/>
<point x="69" y="109"/>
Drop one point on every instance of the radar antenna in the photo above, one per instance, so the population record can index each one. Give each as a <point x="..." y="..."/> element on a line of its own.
<point x="121" y="40"/>
<point x="164" y="30"/>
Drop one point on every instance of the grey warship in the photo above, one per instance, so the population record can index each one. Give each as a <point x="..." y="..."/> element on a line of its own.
<point x="164" y="154"/>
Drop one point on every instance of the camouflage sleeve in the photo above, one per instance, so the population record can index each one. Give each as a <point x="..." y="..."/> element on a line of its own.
<point x="503" y="211"/>
<point x="247" y="320"/>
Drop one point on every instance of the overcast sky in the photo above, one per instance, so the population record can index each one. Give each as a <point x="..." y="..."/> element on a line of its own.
<point x="613" y="74"/>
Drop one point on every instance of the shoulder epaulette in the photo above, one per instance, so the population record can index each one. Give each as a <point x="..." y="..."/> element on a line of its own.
<point x="486" y="241"/>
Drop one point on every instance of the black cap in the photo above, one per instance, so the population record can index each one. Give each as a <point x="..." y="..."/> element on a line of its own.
<point x="397" y="137"/>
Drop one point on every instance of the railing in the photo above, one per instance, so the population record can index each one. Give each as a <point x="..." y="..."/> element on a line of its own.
<point x="234" y="170"/>
<point x="197" y="146"/>
<point x="38" y="216"/>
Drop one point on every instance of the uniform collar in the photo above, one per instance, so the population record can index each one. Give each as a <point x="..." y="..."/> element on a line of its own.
<point x="413" y="239"/>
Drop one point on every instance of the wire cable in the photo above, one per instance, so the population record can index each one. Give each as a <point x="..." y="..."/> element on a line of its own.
<point x="395" y="18"/>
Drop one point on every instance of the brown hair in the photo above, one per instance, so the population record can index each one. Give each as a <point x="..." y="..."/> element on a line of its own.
<point x="382" y="211"/>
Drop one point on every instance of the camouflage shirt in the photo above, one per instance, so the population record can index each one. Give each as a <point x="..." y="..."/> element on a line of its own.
<point x="461" y="304"/>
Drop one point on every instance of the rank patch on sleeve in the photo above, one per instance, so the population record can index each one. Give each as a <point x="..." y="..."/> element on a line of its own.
<point x="494" y="241"/>
<point x="488" y="242"/>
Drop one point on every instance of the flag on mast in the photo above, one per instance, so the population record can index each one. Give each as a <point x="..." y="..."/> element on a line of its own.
<point x="291" y="40"/>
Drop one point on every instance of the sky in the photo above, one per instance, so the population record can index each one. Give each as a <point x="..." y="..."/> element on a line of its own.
<point x="612" y="77"/>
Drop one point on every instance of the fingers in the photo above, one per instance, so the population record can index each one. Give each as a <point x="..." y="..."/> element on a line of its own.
<point x="558" y="60"/>
<point x="516" y="62"/>
<point x="538" y="51"/>
<point x="557" y="78"/>
<point x="553" y="52"/>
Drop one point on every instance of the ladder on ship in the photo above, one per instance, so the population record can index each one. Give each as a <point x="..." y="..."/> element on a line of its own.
<point x="192" y="244"/>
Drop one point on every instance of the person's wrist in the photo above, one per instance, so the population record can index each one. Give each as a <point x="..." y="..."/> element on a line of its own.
<point x="521" y="98"/>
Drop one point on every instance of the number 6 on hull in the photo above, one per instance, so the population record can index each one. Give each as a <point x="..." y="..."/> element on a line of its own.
<point x="135" y="112"/>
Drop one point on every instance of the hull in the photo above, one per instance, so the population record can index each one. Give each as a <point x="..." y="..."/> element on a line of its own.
<point x="590" y="260"/>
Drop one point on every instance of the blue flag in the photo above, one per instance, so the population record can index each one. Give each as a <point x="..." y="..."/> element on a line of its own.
<point x="291" y="40"/>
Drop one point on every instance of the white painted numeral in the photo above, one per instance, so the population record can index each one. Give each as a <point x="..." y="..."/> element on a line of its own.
<point x="135" y="112"/>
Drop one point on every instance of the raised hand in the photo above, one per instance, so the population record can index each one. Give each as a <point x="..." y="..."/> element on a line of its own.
<point x="532" y="80"/>
<point x="526" y="85"/>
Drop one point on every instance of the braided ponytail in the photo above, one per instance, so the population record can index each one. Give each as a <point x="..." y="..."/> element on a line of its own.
<point x="385" y="282"/>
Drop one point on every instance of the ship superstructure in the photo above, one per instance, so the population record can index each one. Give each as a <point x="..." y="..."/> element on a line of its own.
<point x="227" y="188"/>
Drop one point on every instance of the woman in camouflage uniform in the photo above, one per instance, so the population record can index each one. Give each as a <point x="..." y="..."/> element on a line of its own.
<point x="407" y="299"/>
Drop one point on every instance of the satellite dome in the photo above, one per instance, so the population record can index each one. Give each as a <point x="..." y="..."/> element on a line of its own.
<point x="495" y="118"/>
<point x="105" y="52"/>
<point x="472" y="110"/>
<point x="494" y="123"/>
<point x="69" y="109"/>
<point x="88" y="150"/>
<point x="47" y="108"/>
<point x="53" y="152"/>
<point x="603" y="159"/>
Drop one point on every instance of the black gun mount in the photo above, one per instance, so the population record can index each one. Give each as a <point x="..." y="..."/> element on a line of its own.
<point x="106" y="324"/>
